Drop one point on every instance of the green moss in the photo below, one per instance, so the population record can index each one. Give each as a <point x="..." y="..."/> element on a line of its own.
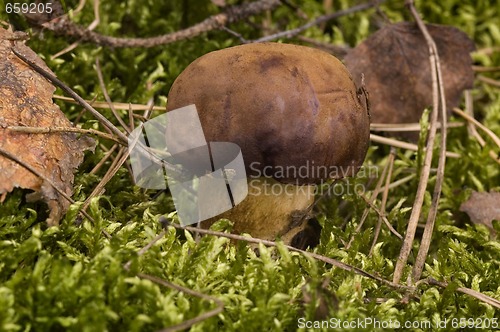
<point x="73" y="277"/>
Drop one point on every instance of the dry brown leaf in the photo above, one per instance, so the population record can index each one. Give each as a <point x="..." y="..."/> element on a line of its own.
<point x="483" y="207"/>
<point x="26" y="100"/>
<point x="395" y="63"/>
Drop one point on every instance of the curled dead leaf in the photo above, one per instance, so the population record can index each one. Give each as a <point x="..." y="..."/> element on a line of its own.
<point x="483" y="208"/>
<point x="395" y="64"/>
<point x="26" y="100"/>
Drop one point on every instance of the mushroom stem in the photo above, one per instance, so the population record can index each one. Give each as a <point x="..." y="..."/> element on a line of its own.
<point x="271" y="210"/>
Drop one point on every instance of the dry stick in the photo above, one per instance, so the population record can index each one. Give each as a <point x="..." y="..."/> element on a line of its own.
<point x="300" y="13"/>
<point x="489" y="81"/>
<point x="488" y="50"/>
<point x="232" y="14"/>
<point x="54" y="80"/>
<point x="121" y="157"/>
<point x="432" y="215"/>
<point x="190" y="322"/>
<point x="131" y="118"/>
<point x="424" y="175"/>
<point x="82" y="112"/>
<point x="385" y="194"/>
<point x="482" y="69"/>
<point x="491" y="134"/>
<point x="472" y="123"/>
<point x="148" y="111"/>
<point x="473" y="132"/>
<point x="400" y="127"/>
<point x="480" y="296"/>
<point x="404" y="145"/>
<point x="321" y="258"/>
<point x="50" y="130"/>
<point x="91" y="27"/>
<point x="146" y="248"/>
<point x="372" y="199"/>
<point x="337" y="50"/>
<point x="322" y="19"/>
<point x="107" y="124"/>
<point x="101" y="162"/>
<point x="381" y="215"/>
<point x="440" y="98"/>
<point x="317" y="21"/>
<point x="469" y="109"/>
<point x="80" y="6"/>
<point x="106" y="97"/>
<point x="33" y="170"/>
<point x="401" y="181"/>
<point x="118" y="106"/>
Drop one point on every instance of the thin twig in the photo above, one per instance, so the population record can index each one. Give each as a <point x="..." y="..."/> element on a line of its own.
<point x="482" y="69"/>
<point x="438" y="99"/>
<point x="403" y="127"/>
<point x="488" y="50"/>
<point x="36" y="172"/>
<point x="425" y="242"/>
<point x="469" y="116"/>
<point x="324" y="259"/>
<point x="146" y="248"/>
<point x="231" y="14"/>
<point x="121" y="157"/>
<point x="385" y="194"/>
<point x="336" y="50"/>
<point x="131" y="119"/>
<point x="478" y="124"/>
<point x="107" y="98"/>
<point x="321" y="19"/>
<point x="101" y="162"/>
<point x="469" y="110"/>
<point x="54" y="80"/>
<point x="91" y="27"/>
<point x="381" y="215"/>
<point x="478" y="295"/>
<point x="190" y="322"/>
<point x="404" y="145"/>
<point x="401" y="181"/>
<point x="489" y="81"/>
<point x="425" y="171"/>
<point x="372" y="199"/>
<point x="117" y="106"/>
<point x="107" y="124"/>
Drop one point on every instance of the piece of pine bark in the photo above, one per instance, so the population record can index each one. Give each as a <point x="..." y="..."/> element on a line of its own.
<point x="26" y="100"/>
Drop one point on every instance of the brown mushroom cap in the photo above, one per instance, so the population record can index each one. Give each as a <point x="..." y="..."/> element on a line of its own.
<point x="293" y="110"/>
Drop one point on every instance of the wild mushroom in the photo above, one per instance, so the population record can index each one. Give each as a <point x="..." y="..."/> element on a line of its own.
<point x="297" y="117"/>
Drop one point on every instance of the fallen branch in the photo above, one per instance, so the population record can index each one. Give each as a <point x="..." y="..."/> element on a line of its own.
<point x="317" y="21"/>
<point x="321" y="258"/>
<point x="64" y="27"/>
